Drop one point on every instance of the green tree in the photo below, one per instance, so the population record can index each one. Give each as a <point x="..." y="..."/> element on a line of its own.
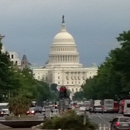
<point x="113" y="74"/>
<point x="78" y="96"/>
<point x="19" y="105"/>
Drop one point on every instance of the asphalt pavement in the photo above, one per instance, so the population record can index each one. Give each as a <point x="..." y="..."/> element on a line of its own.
<point x="102" y="120"/>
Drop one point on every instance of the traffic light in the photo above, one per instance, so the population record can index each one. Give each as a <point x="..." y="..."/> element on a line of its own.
<point x="63" y="92"/>
<point x="129" y="92"/>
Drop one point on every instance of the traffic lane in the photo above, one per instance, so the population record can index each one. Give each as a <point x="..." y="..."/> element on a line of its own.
<point x="102" y="119"/>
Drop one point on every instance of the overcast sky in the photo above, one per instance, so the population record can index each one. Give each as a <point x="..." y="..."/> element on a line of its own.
<point x="30" y="25"/>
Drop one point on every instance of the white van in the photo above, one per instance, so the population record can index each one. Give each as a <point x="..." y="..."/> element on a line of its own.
<point x="127" y="107"/>
<point x="4" y="108"/>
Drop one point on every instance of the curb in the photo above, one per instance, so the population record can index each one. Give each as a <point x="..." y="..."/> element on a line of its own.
<point x="37" y="127"/>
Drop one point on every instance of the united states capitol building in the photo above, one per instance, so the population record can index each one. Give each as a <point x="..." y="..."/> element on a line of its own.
<point x="63" y="67"/>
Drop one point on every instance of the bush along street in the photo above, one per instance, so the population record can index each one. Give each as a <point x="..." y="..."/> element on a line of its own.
<point x="70" y="120"/>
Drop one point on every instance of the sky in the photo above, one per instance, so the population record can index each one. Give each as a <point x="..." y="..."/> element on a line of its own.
<point x="29" y="26"/>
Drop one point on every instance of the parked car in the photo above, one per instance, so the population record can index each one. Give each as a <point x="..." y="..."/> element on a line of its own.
<point x="38" y="109"/>
<point x="31" y="111"/>
<point x="120" y="123"/>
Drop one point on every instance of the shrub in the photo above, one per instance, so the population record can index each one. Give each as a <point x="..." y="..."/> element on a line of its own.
<point x="70" y="120"/>
<point x="19" y="105"/>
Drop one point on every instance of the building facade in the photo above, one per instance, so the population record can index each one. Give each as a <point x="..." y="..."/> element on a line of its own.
<point x="63" y="67"/>
<point x="14" y="57"/>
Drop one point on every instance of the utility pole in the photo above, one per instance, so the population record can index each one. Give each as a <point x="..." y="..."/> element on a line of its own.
<point x="84" y="120"/>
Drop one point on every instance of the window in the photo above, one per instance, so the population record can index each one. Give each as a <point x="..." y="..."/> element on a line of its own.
<point x="16" y="62"/>
<point x="58" y="77"/>
<point x="125" y="119"/>
<point x="12" y="56"/>
<point x="128" y="105"/>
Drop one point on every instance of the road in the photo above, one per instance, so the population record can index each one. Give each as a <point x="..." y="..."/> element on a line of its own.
<point x="40" y="116"/>
<point x="102" y="120"/>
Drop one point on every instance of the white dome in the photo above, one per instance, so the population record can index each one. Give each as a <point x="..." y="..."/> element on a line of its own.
<point x="63" y="36"/>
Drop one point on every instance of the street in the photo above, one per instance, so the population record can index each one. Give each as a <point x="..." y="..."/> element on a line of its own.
<point x="102" y="120"/>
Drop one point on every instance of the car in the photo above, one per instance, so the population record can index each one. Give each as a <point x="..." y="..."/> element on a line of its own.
<point x="120" y="123"/>
<point x="82" y="108"/>
<point x="38" y="109"/>
<point x="53" y="109"/>
<point x="31" y="111"/>
<point x="98" y="109"/>
<point x="43" y="109"/>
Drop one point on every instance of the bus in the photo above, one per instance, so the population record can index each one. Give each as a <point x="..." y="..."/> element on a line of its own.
<point x="127" y="108"/>
<point x="108" y="105"/>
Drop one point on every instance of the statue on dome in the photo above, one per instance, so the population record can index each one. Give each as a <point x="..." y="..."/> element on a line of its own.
<point x="63" y="21"/>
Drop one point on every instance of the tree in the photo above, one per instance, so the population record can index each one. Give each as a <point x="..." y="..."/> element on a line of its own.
<point x="54" y="87"/>
<point x="113" y="74"/>
<point x="7" y="80"/>
<point x="19" y="105"/>
<point x="78" y="96"/>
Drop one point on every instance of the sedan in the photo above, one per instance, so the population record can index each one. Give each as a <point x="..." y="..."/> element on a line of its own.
<point x="31" y="111"/>
<point x="120" y="123"/>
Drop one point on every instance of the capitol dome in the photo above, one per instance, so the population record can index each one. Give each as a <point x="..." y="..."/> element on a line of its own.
<point x="63" y="50"/>
<point x="63" y="36"/>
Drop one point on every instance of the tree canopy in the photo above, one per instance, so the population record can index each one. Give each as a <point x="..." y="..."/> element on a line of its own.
<point x="113" y="74"/>
<point x="15" y="82"/>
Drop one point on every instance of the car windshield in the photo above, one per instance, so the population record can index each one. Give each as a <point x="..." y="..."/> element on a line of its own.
<point x="32" y="108"/>
<point x="124" y="120"/>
